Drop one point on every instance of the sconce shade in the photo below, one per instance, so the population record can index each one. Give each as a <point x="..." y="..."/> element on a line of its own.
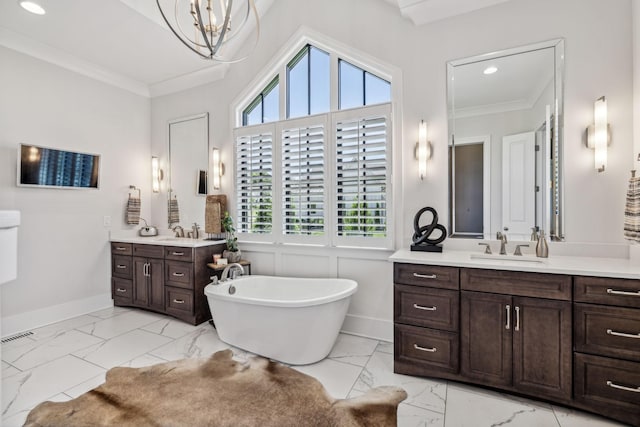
<point x="423" y="149"/>
<point x="600" y="134"/>
<point x="217" y="168"/>
<point x="155" y="174"/>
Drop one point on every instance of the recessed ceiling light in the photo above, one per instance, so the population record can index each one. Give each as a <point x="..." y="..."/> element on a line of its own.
<point x="32" y="7"/>
<point x="490" y="70"/>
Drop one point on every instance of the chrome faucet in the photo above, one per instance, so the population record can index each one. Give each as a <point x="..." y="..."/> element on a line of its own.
<point x="231" y="268"/>
<point x="503" y="241"/>
<point x="178" y="230"/>
<point x="195" y="231"/>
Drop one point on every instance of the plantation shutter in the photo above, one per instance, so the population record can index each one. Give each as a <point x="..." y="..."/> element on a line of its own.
<point x="362" y="176"/>
<point x="254" y="179"/>
<point x="303" y="177"/>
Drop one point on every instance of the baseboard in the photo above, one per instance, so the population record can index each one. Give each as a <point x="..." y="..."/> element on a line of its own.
<point x="34" y="319"/>
<point x="368" y="327"/>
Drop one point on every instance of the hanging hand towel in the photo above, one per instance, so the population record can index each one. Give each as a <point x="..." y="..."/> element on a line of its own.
<point x="632" y="210"/>
<point x="214" y="211"/>
<point x="132" y="213"/>
<point x="174" y="211"/>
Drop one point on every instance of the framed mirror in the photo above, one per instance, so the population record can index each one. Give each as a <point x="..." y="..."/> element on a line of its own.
<point x="505" y="112"/>
<point x="188" y="166"/>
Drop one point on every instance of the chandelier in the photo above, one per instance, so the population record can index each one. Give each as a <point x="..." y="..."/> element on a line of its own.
<point x="204" y="26"/>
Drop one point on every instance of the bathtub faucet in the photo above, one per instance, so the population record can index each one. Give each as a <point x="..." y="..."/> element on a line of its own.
<point x="231" y="268"/>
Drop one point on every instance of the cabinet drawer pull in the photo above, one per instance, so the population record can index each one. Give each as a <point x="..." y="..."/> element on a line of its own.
<point x="425" y="276"/>
<point x="508" y="310"/>
<point x="121" y="290"/>
<point x="621" y="387"/>
<point x="625" y="293"/>
<point x="622" y="334"/>
<point x="178" y="274"/>
<point x="517" y="325"/>
<point x="422" y="307"/>
<point x="121" y="267"/>
<point x="429" y="350"/>
<point x="177" y="253"/>
<point x="178" y="301"/>
<point x="120" y="248"/>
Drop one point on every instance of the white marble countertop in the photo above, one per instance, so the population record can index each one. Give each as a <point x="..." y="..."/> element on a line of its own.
<point x="165" y="240"/>
<point x="575" y="265"/>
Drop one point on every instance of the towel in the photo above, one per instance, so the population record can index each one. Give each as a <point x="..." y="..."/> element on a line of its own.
<point x="132" y="212"/>
<point x="214" y="210"/>
<point x="632" y="209"/>
<point x="174" y="211"/>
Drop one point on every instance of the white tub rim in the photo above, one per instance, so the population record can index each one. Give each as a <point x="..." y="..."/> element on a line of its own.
<point x="221" y="292"/>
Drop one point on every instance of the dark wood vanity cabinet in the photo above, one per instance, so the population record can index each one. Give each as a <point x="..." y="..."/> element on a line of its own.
<point x="165" y="279"/>
<point x="571" y="340"/>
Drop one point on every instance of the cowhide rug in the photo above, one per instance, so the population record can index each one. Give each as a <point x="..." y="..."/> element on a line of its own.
<point x="218" y="391"/>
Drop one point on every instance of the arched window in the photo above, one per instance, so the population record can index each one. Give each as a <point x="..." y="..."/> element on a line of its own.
<point x="320" y="172"/>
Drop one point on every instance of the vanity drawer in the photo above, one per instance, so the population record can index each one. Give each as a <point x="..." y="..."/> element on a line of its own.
<point x="118" y="248"/>
<point x="148" y="251"/>
<point x="122" y="266"/>
<point x="428" y="307"/>
<point x="179" y="274"/>
<point x="607" y="331"/>
<point x="537" y="285"/>
<point x="609" y="384"/>
<point x="423" y="346"/>
<point x="178" y="253"/>
<point x="179" y="300"/>
<point x="122" y="291"/>
<point x="604" y="290"/>
<point x="426" y="275"/>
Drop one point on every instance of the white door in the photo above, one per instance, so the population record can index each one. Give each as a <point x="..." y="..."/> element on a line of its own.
<point x="518" y="185"/>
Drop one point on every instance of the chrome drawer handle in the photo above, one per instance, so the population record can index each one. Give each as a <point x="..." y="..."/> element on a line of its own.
<point x="429" y="350"/>
<point x="120" y="248"/>
<point x="422" y="307"/>
<point x="178" y="301"/>
<point x="622" y="334"/>
<point x="177" y="253"/>
<point x="517" y="326"/>
<point x="621" y="387"/>
<point x="625" y="293"/>
<point x="178" y="274"/>
<point x="121" y="290"/>
<point x="508" y="310"/>
<point x="121" y="267"/>
<point x="425" y="276"/>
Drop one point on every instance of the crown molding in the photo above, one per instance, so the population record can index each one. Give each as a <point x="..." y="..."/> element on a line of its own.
<point x="44" y="52"/>
<point x="424" y="11"/>
<point x="187" y="81"/>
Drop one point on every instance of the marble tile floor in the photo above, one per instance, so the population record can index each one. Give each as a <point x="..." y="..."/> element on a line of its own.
<point x="63" y="360"/>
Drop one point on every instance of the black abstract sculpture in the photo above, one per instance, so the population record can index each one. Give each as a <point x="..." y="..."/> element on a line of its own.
<point x="422" y="240"/>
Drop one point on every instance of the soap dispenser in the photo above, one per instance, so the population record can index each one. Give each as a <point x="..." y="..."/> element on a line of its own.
<point x="542" y="249"/>
<point x="534" y="234"/>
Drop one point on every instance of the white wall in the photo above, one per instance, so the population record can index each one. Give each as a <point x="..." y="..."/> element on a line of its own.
<point x="598" y="58"/>
<point x="63" y="249"/>
<point x="636" y="81"/>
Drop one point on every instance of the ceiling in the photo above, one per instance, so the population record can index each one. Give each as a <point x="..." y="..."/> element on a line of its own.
<point x="126" y="43"/>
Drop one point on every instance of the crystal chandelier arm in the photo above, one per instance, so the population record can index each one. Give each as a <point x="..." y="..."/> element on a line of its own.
<point x="203" y="30"/>
<point x="176" y="34"/>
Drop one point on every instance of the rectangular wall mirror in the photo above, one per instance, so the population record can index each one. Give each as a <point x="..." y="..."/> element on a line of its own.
<point x="505" y="143"/>
<point x="189" y="165"/>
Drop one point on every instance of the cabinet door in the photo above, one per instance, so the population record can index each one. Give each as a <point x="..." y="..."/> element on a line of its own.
<point x="156" y="283"/>
<point x="140" y="288"/>
<point x="485" y="328"/>
<point x="542" y="347"/>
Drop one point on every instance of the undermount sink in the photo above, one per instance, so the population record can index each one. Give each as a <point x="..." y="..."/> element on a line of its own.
<point x="508" y="258"/>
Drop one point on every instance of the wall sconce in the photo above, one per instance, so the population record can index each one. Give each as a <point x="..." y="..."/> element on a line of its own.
<point x="422" y="151"/>
<point x="218" y="168"/>
<point x="599" y="134"/>
<point x="157" y="174"/>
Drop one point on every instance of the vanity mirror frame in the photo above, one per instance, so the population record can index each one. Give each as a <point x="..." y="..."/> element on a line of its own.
<point x="549" y="183"/>
<point x="197" y="172"/>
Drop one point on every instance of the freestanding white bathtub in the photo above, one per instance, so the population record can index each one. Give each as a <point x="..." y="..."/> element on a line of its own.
<point x="295" y="321"/>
